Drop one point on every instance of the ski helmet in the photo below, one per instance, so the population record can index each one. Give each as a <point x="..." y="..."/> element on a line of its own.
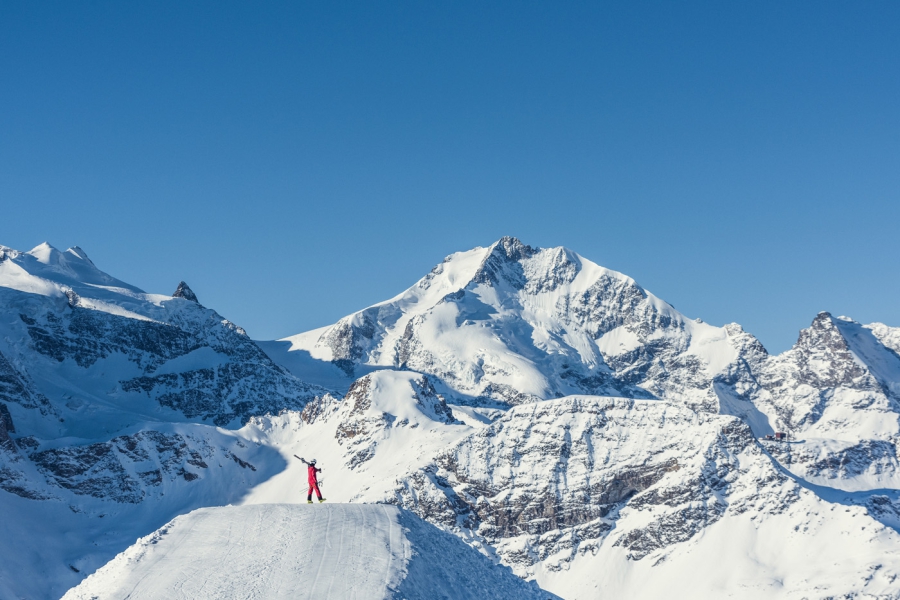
<point x="312" y="462"/>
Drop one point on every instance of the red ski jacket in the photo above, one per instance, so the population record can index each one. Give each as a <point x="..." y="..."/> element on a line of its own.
<point x="312" y="474"/>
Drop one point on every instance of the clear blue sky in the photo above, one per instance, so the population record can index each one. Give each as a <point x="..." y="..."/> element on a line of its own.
<point x="294" y="162"/>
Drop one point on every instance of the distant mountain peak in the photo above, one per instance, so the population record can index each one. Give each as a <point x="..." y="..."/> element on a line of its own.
<point x="184" y="291"/>
<point x="43" y="246"/>
<point x="45" y="253"/>
<point x="77" y="251"/>
<point x="822" y="332"/>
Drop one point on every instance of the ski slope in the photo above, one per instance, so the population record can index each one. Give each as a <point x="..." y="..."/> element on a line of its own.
<point x="284" y="551"/>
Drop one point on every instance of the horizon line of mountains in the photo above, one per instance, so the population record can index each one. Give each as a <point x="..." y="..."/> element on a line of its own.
<point x="498" y="356"/>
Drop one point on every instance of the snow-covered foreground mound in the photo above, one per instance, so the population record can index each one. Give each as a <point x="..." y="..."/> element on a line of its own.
<point x="289" y="551"/>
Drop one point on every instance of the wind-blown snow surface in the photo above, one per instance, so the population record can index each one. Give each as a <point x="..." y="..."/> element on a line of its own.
<point x="290" y="552"/>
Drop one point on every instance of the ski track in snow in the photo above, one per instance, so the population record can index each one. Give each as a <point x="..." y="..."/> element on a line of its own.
<point x="259" y="552"/>
<point x="282" y="551"/>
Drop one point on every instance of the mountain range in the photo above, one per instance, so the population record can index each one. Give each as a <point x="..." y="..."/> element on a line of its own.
<point x="555" y="416"/>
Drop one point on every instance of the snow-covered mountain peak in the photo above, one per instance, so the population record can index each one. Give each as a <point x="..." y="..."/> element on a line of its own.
<point x="49" y="255"/>
<point x="540" y="270"/>
<point x="840" y="352"/>
<point x="502" y="262"/>
<point x="77" y="251"/>
<point x="513" y="323"/>
<point x="47" y="271"/>
<point x="45" y="253"/>
<point x="73" y="261"/>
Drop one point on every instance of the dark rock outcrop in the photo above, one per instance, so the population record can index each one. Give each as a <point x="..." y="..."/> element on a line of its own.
<point x="185" y="292"/>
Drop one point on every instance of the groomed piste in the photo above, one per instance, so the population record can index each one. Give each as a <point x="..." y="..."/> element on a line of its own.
<point x="285" y="551"/>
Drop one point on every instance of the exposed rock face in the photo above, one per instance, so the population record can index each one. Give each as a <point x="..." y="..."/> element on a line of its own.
<point x="6" y="424"/>
<point x="185" y="292"/>
<point x="128" y="468"/>
<point x="86" y="336"/>
<point x="349" y="340"/>
<point x="318" y="408"/>
<point x="363" y="416"/>
<point x="242" y="382"/>
<point x="554" y="479"/>
<point x="15" y="477"/>
<point x="823" y="359"/>
<point x="832" y="460"/>
<point x="14" y="387"/>
<point x="502" y="265"/>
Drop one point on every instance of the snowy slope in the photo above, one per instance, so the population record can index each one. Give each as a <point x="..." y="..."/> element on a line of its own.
<point x="288" y="551"/>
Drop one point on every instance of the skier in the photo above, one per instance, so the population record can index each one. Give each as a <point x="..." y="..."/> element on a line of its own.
<point x="313" y="480"/>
